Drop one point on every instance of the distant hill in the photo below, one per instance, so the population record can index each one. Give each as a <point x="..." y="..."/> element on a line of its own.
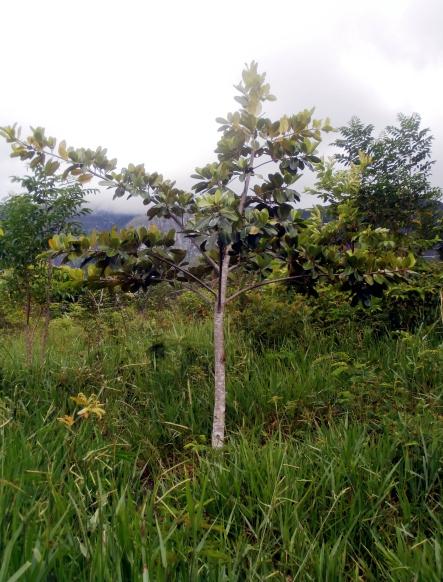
<point x="102" y="220"/>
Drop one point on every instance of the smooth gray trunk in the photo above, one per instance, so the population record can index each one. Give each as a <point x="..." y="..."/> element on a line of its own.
<point x="218" y="425"/>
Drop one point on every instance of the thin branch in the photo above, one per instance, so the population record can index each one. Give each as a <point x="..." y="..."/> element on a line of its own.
<point x="294" y="277"/>
<point x="187" y="286"/>
<point x="286" y="136"/>
<point x="271" y="161"/>
<point x="261" y="284"/>
<point x="244" y="194"/>
<point x="235" y="266"/>
<point x="184" y="271"/>
<point x="196" y="291"/>
<point x="197" y="246"/>
<point x="64" y="160"/>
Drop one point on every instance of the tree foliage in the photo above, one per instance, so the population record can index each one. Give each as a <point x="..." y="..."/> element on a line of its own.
<point x="386" y="177"/>
<point x="48" y="206"/>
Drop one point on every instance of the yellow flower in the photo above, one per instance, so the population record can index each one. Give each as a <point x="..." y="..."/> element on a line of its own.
<point x="66" y="420"/>
<point x="90" y="404"/>
<point x="80" y="399"/>
<point x="98" y="410"/>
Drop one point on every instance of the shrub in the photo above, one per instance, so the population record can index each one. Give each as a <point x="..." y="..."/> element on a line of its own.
<point x="272" y="316"/>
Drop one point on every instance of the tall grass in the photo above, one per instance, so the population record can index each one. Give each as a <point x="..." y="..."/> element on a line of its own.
<point x="332" y="470"/>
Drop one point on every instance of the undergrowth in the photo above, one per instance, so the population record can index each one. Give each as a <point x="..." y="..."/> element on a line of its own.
<point x="332" y="471"/>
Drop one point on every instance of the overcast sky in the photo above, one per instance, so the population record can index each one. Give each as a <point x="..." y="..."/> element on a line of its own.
<point x="146" y="79"/>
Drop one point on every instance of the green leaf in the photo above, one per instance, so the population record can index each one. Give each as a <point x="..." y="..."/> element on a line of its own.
<point x="51" y="167"/>
<point x="19" y="573"/>
<point x="62" y="151"/>
<point x="84" y="178"/>
<point x="284" y="124"/>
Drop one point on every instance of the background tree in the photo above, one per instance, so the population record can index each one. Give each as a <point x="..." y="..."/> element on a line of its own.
<point x="49" y="206"/>
<point x="21" y="226"/>
<point x="243" y="224"/>
<point x="394" y="171"/>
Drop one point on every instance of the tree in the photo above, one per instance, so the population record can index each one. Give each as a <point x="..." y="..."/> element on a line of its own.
<point x="21" y="228"/>
<point x="394" y="189"/>
<point x="243" y="225"/>
<point x="60" y="201"/>
<point x="49" y="206"/>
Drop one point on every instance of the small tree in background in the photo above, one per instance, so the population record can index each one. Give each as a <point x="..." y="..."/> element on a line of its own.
<point x="393" y="189"/>
<point x="49" y="206"/>
<point x="241" y="224"/>
<point x="19" y="244"/>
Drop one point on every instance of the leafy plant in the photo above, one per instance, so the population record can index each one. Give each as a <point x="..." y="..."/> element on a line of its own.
<point x="242" y="224"/>
<point x="387" y="178"/>
<point x="48" y="206"/>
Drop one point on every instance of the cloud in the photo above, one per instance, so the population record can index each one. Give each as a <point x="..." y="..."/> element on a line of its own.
<point x="147" y="80"/>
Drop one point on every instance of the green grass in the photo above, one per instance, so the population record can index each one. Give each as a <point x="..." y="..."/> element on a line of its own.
<point x="333" y="469"/>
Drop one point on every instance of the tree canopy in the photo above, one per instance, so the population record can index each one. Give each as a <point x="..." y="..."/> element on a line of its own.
<point x="388" y="178"/>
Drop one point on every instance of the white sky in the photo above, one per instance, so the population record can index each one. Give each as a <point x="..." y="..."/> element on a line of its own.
<point x="147" y="79"/>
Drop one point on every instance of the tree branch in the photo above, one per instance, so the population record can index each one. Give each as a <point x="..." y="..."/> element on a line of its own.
<point x="158" y="280"/>
<point x="187" y="286"/>
<point x="196" y="291"/>
<point x="261" y="284"/>
<point x="184" y="271"/>
<point x="197" y="246"/>
<point x="89" y="170"/>
<point x="103" y="177"/>
<point x="294" y="277"/>
<point x="244" y="194"/>
<point x="271" y="161"/>
<point x="235" y="266"/>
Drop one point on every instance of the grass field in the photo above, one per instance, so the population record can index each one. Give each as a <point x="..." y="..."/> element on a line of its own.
<point x="333" y="468"/>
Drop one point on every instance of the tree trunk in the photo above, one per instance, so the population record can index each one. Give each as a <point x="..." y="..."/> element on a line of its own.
<point x="218" y="425"/>
<point x="47" y="320"/>
<point x="28" y="331"/>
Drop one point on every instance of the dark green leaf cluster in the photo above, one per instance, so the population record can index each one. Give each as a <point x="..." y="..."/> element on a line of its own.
<point x="131" y="259"/>
<point x="22" y="225"/>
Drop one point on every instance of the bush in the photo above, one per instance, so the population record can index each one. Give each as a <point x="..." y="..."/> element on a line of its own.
<point x="272" y="316"/>
<point x="409" y="305"/>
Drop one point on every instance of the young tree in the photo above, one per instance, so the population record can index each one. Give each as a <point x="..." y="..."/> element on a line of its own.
<point x="394" y="189"/>
<point x="21" y="226"/>
<point x="50" y="205"/>
<point x="243" y="225"/>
